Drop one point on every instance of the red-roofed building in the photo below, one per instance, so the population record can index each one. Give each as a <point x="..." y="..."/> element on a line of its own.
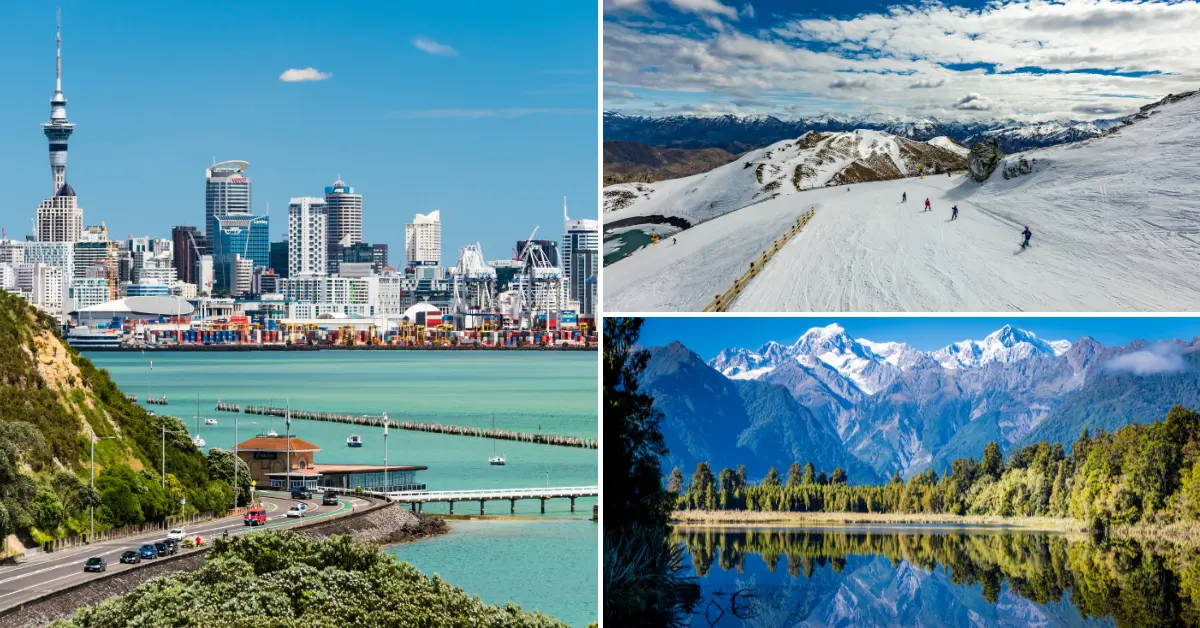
<point x="267" y="454"/>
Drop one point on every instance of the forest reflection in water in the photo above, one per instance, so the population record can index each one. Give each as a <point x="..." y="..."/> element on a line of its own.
<point x="889" y="576"/>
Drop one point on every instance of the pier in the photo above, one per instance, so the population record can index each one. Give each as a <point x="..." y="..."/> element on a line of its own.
<point x="416" y="498"/>
<point x="158" y="401"/>
<point x="417" y="426"/>
<point x="223" y="406"/>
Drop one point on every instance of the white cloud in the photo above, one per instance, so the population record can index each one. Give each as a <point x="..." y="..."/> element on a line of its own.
<point x="698" y="7"/>
<point x="903" y="54"/>
<point x="425" y="44"/>
<point x="497" y="112"/>
<point x="1157" y="359"/>
<point x="842" y="82"/>
<point x="307" y="74"/>
<point x="618" y="94"/>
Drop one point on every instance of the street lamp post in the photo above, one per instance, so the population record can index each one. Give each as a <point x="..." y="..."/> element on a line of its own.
<point x="92" y="508"/>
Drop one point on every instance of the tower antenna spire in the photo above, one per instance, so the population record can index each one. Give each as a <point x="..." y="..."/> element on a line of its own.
<point x="565" y="217"/>
<point x="58" y="53"/>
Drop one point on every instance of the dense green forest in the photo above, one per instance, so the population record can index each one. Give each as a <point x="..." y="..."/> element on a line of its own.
<point x="1137" y="474"/>
<point x="52" y="400"/>
<point x="1135" y="584"/>
<point x="285" y="579"/>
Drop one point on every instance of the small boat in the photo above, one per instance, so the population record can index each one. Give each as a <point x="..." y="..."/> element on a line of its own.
<point x="210" y="421"/>
<point x="354" y="441"/>
<point x="197" y="441"/>
<point x="272" y="433"/>
<point x="496" y="459"/>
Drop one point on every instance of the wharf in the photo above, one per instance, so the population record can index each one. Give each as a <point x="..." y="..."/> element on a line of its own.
<point x="538" y="438"/>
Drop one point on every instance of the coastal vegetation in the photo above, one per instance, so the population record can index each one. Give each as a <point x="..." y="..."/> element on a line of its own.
<point x="643" y="585"/>
<point x="53" y="401"/>
<point x="1137" y="476"/>
<point x="286" y="579"/>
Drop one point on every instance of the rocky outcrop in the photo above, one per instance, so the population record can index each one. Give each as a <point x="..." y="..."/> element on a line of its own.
<point x="1019" y="166"/>
<point x="382" y="526"/>
<point x="984" y="158"/>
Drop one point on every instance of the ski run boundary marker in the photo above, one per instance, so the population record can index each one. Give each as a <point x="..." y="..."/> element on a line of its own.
<point x="723" y="301"/>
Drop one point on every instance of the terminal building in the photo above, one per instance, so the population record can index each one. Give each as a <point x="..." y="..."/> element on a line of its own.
<point x="266" y="455"/>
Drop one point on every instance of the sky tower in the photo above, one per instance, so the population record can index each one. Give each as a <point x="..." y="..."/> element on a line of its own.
<point x="58" y="129"/>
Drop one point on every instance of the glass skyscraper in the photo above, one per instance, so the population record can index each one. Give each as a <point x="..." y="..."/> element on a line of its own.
<point x="246" y="236"/>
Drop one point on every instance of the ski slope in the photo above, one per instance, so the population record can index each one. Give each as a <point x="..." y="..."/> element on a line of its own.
<point x="1115" y="221"/>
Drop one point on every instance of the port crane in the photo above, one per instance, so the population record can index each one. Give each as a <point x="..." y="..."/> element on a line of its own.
<point x="474" y="287"/>
<point x="539" y="285"/>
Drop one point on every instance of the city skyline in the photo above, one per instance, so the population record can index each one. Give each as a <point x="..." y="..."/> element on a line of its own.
<point x="167" y="131"/>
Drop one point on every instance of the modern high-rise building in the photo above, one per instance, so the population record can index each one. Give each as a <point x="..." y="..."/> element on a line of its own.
<point x="308" y="247"/>
<point x="379" y="257"/>
<point x="357" y="253"/>
<point x="58" y="129"/>
<point x="423" y="240"/>
<point x="580" y="256"/>
<point x="344" y="226"/>
<point x="279" y="258"/>
<point x="226" y="192"/>
<point x="246" y="236"/>
<point x="189" y="244"/>
<point x="59" y="218"/>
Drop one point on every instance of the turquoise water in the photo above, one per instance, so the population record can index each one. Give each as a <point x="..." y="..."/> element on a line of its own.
<point x="556" y="391"/>
<point x="539" y="565"/>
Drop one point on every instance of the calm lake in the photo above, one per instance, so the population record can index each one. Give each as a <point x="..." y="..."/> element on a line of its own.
<point x="554" y="391"/>
<point x="900" y="576"/>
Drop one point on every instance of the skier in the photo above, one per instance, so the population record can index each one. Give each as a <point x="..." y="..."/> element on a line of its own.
<point x="954" y="212"/>
<point x="947" y="174"/>
<point x="904" y="197"/>
<point x="927" y="206"/>
<point x="1028" y="234"/>
<point x="672" y="244"/>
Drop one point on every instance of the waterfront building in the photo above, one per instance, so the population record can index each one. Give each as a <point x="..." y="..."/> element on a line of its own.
<point x="279" y="258"/>
<point x="266" y="281"/>
<point x="226" y="193"/>
<point x="59" y="218"/>
<point x="146" y="290"/>
<point x="267" y="457"/>
<point x="243" y="235"/>
<point x="307" y="243"/>
<point x="313" y="296"/>
<point x="188" y="243"/>
<point x="243" y="275"/>
<point x="423" y="240"/>
<point x="343" y="208"/>
<point x="580" y="259"/>
<point x="58" y="130"/>
<point x="134" y="308"/>
<point x="85" y="292"/>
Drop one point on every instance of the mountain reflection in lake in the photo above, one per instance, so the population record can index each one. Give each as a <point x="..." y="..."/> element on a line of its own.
<point x="904" y="577"/>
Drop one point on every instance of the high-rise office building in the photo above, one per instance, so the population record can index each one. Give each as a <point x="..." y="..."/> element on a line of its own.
<point x="246" y="236"/>
<point x="580" y="255"/>
<point x="189" y="244"/>
<point x="226" y="192"/>
<point x="423" y="240"/>
<point x="379" y="257"/>
<point x="357" y="253"/>
<point x="307" y="243"/>
<point x="343" y="208"/>
<point x="59" y="218"/>
<point x="279" y="258"/>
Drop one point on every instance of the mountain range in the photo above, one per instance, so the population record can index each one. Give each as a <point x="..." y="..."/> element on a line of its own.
<point x="740" y="133"/>
<point x="876" y="408"/>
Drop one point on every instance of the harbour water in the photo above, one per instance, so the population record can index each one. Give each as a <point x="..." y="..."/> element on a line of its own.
<point x="917" y="576"/>
<point x="554" y="391"/>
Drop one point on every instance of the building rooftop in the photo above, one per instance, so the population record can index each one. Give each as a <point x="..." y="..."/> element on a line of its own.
<point x="358" y="468"/>
<point x="65" y="190"/>
<point x="276" y="443"/>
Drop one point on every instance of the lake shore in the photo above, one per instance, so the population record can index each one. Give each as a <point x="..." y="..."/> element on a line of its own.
<point x="734" y="518"/>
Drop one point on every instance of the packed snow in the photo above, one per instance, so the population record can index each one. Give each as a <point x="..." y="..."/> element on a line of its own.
<point x="1115" y="222"/>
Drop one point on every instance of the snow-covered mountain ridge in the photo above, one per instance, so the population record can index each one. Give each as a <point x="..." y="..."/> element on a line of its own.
<point x="873" y="366"/>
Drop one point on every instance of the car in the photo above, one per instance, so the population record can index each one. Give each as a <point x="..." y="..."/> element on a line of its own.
<point x="329" y="499"/>
<point x="255" y="517"/>
<point x="95" y="563"/>
<point x="164" y="549"/>
<point x="131" y="557"/>
<point x="148" y="551"/>
<point x="301" y="493"/>
<point x="174" y="545"/>
<point x="295" y="512"/>
<point x="177" y="534"/>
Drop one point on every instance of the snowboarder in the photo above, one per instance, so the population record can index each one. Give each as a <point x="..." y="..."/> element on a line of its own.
<point x="904" y="197"/>
<point x="954" y="212"/>
<point x="927" y="206"/>
<point x="672" y="244"/>
<point x="1028" y="234"/>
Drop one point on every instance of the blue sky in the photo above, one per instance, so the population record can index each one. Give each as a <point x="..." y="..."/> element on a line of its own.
<point x="707" y="336"/>
<point x="491" y="118"/>
<point x="1018" y="59"/>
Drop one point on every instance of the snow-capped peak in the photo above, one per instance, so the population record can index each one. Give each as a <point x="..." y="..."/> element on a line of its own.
<point x="1007" y="344"/>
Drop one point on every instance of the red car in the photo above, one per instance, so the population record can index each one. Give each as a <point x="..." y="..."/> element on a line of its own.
<point x="255" y="517"/>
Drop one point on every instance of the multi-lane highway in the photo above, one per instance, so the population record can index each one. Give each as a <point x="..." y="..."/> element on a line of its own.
<point x="52" y="571"/>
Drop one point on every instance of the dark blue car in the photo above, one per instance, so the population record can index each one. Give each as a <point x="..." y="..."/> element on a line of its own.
<point x="148" y="551"/>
